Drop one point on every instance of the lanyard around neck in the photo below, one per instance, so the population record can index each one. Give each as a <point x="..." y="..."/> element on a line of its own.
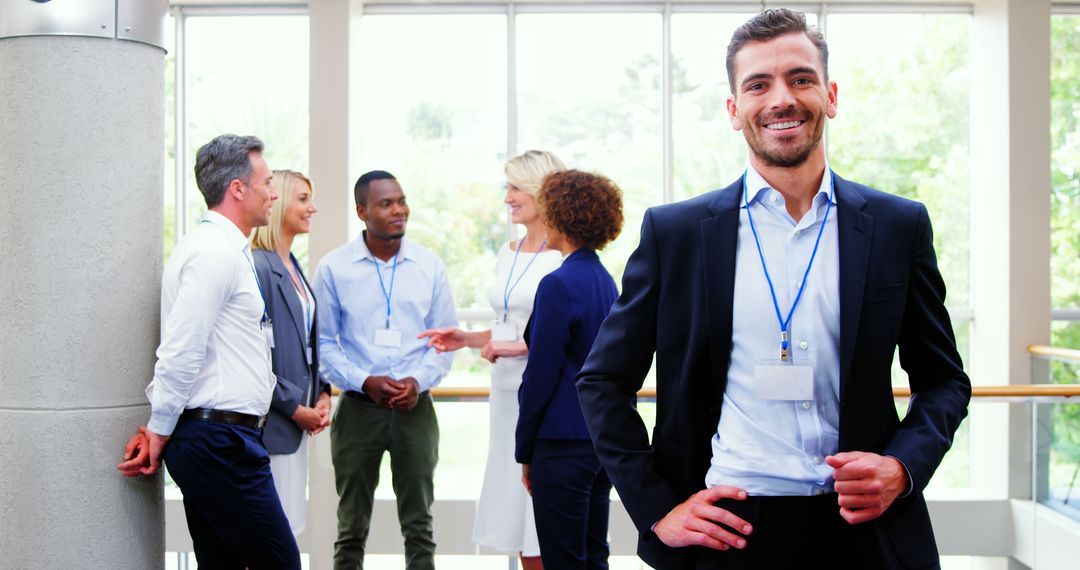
<point x="302" y="290"/>
<point x="387" y="293"/>
<point x="786" y="322"/>
<point x="508" y="289"/>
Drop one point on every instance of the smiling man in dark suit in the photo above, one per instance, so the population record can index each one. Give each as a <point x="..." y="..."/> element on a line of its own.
<point x="774" y="307"/>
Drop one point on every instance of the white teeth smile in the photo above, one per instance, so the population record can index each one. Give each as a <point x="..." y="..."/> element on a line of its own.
<point x="785" y="125"/>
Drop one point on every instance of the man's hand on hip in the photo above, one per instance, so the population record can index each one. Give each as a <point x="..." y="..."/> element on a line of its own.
<point x="697" y="521"/>
<point x="866" y="484"/>
<point x="381" y="389"/>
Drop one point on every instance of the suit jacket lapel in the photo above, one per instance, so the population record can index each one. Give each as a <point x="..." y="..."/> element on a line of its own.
<point x="314" y="323"/>
<point x="719" y="242"/>
<point x="855" y="229"/>
<point x="289" y="293"/>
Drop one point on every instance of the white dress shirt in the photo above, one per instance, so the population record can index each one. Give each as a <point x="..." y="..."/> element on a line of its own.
<point x="778" y="447"/>
<point x="352" y="305"/>
<point x="213" y="351"/>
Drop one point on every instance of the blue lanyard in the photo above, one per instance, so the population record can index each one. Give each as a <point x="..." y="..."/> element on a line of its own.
<point x="387" y="294"/>
<point x="266" y="316"/>
<point x="304" y="293"/>
<point x="510" y="288"/>
<point x="785" y="323"/>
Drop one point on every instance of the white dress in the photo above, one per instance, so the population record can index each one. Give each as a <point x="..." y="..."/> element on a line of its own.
<point x="504" y="515"/>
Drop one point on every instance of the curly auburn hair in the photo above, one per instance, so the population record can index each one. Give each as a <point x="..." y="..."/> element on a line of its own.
<point x="585" y="207"/>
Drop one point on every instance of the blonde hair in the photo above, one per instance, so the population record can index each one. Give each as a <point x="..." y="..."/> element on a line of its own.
<point x="266" y="237"/>
<point x="527" y="171"/>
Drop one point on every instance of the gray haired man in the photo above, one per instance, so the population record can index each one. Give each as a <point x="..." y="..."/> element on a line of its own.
<point x="213" y="381"/>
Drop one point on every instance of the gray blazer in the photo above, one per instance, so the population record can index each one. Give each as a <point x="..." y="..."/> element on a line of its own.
<point x="296" y="381"/>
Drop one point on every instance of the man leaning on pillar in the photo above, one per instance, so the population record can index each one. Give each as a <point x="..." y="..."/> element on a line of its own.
<point x="213" y="381"/>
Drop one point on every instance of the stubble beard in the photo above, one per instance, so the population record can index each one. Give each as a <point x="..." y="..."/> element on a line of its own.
<point x="784" y="158"/>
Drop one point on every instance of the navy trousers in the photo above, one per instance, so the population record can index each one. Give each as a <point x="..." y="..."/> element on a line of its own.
<point x="571" y="497"/>
<point x="233" y="512"/>
<point x="800" y="532"/>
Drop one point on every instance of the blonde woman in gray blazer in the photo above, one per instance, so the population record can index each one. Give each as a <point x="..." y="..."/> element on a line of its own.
<point x="301" y="400"/>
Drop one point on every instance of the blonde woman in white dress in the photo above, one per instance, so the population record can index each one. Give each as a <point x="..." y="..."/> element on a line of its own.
<point x="504" y="516"/>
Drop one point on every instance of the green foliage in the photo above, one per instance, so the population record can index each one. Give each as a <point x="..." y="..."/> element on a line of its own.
<point x="1065" y="218"/>
<point x="903" y="128"/>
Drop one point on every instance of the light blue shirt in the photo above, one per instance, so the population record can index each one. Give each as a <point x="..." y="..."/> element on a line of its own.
<point x="773" y="447"/>
<point x="352" y="307"/>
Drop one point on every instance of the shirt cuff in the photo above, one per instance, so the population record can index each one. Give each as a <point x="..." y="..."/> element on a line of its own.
<point x="357" y="378"/>
<point x="910" y="485"/>
<point x="162" y="424"/>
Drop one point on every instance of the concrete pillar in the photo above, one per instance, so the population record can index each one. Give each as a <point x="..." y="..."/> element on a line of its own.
<point x="81" y="167"/>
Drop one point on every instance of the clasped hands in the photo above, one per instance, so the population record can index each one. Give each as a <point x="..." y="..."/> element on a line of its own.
<point x="394" y="394"/>
<point x="866" y="485"/>
<point x="449" y="339"/>
<point x="313" y="419"/>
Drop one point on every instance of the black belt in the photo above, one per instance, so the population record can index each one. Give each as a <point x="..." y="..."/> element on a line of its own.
<point x="224" y="417"/>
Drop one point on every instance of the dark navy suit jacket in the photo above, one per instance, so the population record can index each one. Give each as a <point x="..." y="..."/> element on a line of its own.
<point x="295" y="379"/>
<point x="570" y="304"/>
<point x="678" y="291"/>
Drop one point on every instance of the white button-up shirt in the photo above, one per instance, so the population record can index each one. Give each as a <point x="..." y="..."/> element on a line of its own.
<point x="352" y="305"/>
<point x="213" y="351"/>
<point x="774" y="447"/>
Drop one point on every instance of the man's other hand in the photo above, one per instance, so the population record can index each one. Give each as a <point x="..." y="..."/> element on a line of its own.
<point x="157" y="448"/>
<point x="697" y="521"/>
<point x="866" y="484"/>
<point x="136" y="454"/>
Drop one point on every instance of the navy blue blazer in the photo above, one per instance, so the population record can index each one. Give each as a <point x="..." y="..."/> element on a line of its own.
<point x="570" y="304"/>
<point x="678" y="290"/>
<point x="295" y="379"/>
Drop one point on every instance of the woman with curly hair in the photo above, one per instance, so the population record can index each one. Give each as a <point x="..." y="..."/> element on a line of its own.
<point x="583" y="213"/>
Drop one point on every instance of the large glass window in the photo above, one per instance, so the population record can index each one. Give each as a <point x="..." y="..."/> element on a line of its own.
<point x="1063" y="461"/>
<point x="246" y="75"/>
<point x="596" y="104"/>
<point x="1065" y="174"/>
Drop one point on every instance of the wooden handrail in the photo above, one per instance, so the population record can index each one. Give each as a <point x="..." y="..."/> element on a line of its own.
<point x="1055" y="352"/>
<point x="1013" y="391"/>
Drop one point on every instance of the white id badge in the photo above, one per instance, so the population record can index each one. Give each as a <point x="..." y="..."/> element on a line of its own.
<point x="504" y="331"/>
<point x="268" y="331"/>
<point x="307" y="353"/>
<point x="388" y="337"/>
<point x="776" y="379"/>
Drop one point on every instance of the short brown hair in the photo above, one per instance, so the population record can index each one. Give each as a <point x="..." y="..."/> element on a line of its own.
<point x="585" y="207"/>
<point x="772" y="24"/>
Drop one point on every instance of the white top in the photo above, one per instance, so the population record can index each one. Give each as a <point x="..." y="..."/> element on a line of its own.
<point x="352" y="307"/>
<point x="506" y="372"/>
<point x="778" y="447"/>
<point x="213" y="352"/>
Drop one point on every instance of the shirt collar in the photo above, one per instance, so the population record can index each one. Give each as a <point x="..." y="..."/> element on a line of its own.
<point x="757" y="187"/>
<point x="361" y="251"/>
<point x="232" y="232"/>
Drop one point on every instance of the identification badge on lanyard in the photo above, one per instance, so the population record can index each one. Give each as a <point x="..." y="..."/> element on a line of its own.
<point x="777" y="379"/>
<point x="504" y="331"/>
<point x="268" y="331"/>
<point x="388" y="337"/>
<point x="307" y="353"/>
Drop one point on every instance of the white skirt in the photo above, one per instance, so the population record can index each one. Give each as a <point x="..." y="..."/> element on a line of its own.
<point x="504" y="514"/>
<point x="290" y="480"/>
